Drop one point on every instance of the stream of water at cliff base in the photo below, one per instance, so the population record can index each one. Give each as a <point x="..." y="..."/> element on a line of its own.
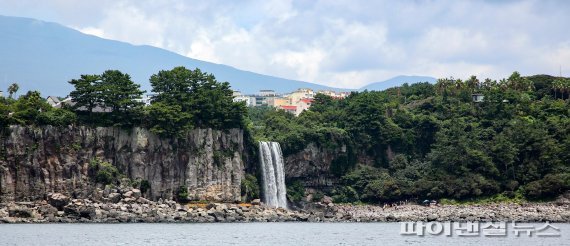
<point x="271" y="159"/>
<point x="249" y="234"/>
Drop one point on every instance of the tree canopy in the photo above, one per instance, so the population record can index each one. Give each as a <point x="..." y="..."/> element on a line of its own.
<point x="185" y="99"/>
<point x="426" y="141"/>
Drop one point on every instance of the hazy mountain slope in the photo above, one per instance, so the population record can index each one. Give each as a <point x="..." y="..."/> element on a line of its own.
<point x="397" y="81"/>
<point x="44" y="56"/>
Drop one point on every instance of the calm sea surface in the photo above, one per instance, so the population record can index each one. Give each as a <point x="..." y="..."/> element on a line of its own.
<point x="248" y="234"/>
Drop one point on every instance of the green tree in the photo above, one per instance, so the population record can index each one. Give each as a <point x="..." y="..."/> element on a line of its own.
<point x="121" y="95"/>
<point x="119" y="92"/>
<point x="321" y="103"/>
<point x="168" y="120"/>
<point x="12" y="89"/>
<point x="29" y="107"/>
<point x="174" y="87"/>
<point x="198" y="99"/>
<point x="473" y="83"/>
<point x="519" y="83"/>
<point x="87" y="92"/>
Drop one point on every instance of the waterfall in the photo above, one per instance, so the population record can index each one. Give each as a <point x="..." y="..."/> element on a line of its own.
<point x="273" y="174"/>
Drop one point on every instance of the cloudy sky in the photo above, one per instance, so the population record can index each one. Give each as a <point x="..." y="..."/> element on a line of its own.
<point x="342" y="43"/>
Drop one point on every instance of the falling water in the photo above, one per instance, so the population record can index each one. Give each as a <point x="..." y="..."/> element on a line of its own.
<point x="271" y="160"/>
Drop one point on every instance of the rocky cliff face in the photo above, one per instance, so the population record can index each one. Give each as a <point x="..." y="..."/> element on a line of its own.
<point x="312" y="166"/>
<point x="40" y="160"/>
<point x="321" y="167"/>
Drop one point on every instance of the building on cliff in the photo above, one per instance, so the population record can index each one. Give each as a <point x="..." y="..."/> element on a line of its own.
<point x="53" y="101"/>
<point x="295" y="102"/>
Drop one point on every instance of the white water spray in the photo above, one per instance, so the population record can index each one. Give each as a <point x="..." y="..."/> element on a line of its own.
<point x="274" y="189"/>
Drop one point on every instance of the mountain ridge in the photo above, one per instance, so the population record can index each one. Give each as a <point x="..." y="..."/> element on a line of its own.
<point x="44" y="56"/>
<point x="397" y="81"/>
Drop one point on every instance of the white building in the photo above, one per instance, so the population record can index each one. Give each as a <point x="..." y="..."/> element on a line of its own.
<point x="477" y="97"/>
<point x="146" y="99"/>
<point x="53" y="101"/>
<point x="299" y="94"/>
<point x="303" y="105"/>
<point x="238" y="97"/>
<point x="267" y="93"/>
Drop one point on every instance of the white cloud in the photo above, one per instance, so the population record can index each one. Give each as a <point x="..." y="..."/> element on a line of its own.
<point x="282" y="10"/>
<point x="305" y="64"/>
<point x="445" y="42"/>
<point x="92" y="31"/>
<point x="204" y="49"/>
<point x="339" y="43"/>
<point x="551" y="61"/>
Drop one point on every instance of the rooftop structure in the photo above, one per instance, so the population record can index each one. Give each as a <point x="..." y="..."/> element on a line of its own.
<point x="53" y="101"/>
<point x="267" y="93"/>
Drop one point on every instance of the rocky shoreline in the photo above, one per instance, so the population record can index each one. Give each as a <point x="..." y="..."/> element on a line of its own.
<point x="130" y="207"/>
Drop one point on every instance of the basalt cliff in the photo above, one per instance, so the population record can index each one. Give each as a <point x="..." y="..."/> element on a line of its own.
<point x="36" y="161"/>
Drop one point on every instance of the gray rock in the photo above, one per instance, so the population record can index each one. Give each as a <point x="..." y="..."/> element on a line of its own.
<point x="87" y="212"/>
<point x="219" y="216"/>
<point x="128" y="194"/>
<point x="143" y="200"/>
<point x="136" y="193"/>
<point x="140" y="152"/>
<point x="327" y="200"/>
<point x="20" y="212"/>
<point x="71" y="210"/>
<point x="58" y="200"/>
<point x="114" y="197"/>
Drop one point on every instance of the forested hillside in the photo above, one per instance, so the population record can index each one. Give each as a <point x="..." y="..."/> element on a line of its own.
<point x="457" y="139"/>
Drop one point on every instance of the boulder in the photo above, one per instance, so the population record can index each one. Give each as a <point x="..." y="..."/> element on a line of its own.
<point x="20" y="212"/>
<point x="327" y="199"/>
<point x="47" y="209"/>
<point x="87" y="212"/>
<point x="128" y="194"/>
<point x="563" y="199"/>
<point x="114" y="197"/>
<point x="143" y="200"/>
<point x="432" y="217"/>
<point x="136" y="193"/>
<point x="58" y="200"/>
<point x="71" y="210"/>
<point x="256" y="202"/>
<point x="3" y="213"/>
<point x="219" y="216"/>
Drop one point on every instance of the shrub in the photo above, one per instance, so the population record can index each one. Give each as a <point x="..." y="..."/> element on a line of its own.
<point x="57" y="117"/>
<point x="296" y="191"/>
<point x="182" y="195"/>
<point x="249" y="188"/>
<point x="318" y="196"/>
<point x="145" y="186"/>
<point x="548" y="187"/>
<point x="345" y="194"/>
<point x="105" y="172"/>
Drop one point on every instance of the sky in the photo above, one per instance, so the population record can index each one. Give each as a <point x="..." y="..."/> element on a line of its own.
<point x="340" y="43"/>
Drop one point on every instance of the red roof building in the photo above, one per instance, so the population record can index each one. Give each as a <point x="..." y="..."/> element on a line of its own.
<point x="289" y="108"/>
